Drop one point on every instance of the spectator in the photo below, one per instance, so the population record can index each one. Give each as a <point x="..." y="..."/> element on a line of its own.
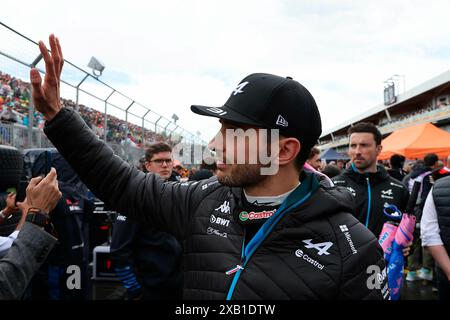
<point x="396" y="167"/>
<point x="148" y="262"/>
<point x="420" y="262"/>
<point x="33" y="244"/>
<point x="206" y="171"/>
<point x="340" y="165"/>
<point x="331" y="171"/>
<point x="6" y="242"/>
<point x="314" y="159"/>
<point x="435" y="233"/>
<point x="370" y="185"/>
<point x="8" y="115"/>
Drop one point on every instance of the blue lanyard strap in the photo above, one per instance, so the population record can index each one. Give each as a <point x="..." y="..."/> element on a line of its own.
<point x="302" y="193"/>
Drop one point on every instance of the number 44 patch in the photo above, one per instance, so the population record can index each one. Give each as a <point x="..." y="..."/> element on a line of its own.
<point x="322" y="247"/>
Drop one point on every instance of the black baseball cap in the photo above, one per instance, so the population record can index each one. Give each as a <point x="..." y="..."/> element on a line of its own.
<point x="273" y="102"/>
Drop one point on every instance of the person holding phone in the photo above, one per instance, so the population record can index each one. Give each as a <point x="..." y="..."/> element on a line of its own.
<point x="33" y="244"/>
<point x="11" y="208"/>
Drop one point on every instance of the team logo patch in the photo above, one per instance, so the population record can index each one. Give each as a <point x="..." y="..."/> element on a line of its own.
<point x="239" y="88"/>
<point x="352" y="191"/>
<point x="388" y="194"/>
<point x="224" y="207"/>
<point x="220" y="221"/>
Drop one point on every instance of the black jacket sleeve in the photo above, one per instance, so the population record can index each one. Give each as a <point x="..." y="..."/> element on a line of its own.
<point x="165" y="206"/>
<point x="363" y="275"/>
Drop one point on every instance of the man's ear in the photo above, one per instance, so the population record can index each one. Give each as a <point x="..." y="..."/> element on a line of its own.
<point x="289" y="150"/>
<point x="379" y="149"/>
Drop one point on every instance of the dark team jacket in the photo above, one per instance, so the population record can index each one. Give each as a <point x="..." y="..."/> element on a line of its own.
<point x="317" y="250"/>
<point x="153" y="259"/>
<point x="372" y="192"/>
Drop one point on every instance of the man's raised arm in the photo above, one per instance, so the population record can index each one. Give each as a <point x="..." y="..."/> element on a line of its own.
<point x="166" y="206"/>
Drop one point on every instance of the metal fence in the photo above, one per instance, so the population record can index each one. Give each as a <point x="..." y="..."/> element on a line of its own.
<point x="19" y="53"/>
<point x="18" y="136"/>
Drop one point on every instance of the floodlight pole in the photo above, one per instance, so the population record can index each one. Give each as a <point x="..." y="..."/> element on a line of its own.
<point x="126" y="117"/>
<point x="165" y="128"/>
<point x="172" y="132"/>
<point x="78" y="90"/>
<point x="105" y="122"/>
<point x="127" y="147"/>
<point x="156" y="123"/>
<point x="143" y="132"/>
<point x="31" y="106"/>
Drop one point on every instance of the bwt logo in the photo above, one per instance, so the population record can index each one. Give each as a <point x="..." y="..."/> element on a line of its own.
<point x="219" y="220"/>
<point x="74" y="280"/>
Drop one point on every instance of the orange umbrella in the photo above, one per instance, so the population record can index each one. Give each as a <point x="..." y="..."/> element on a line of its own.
<point x="416" y="141"/>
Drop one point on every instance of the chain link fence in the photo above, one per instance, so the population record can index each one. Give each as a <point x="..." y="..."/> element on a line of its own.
<point x="125" y="124"/>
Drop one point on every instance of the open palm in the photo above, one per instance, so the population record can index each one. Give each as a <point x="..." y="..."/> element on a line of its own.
<point x="46" y="96"/>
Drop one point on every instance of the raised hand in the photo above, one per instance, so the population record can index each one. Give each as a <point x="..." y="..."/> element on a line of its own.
<point x="43" y="193"/>
<point x="46" y="96"/>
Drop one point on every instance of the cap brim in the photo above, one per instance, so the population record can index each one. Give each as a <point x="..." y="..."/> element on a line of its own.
<point x="225" y="113"/>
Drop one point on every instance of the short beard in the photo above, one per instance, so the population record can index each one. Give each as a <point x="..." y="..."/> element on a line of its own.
<point x="242" y="175"/>
<point x="365" y="166"/>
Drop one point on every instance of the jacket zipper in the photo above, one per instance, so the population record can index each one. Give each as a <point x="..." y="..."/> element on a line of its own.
<point x="240" y="265"/>
<point x="369" y="199"/>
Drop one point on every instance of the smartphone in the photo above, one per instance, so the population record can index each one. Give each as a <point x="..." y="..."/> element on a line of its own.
<point x="21" y="191"/>
<point x="47" y="162"/>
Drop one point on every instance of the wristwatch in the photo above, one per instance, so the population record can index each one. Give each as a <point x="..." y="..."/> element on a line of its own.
<point x="38" y="217"/>
<point x="2" y="214"/>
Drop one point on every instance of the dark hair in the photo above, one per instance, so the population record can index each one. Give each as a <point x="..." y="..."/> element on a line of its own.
<point x="206" y="166"/>
<point x="430" y="159"/>
<point x="314" y="151"/>
<point x="303" y="155"/>
<point x="366" y="127"/>
<point x="397" y="161"/>
<point x="156" y="148"/>
<point x="331" y="171"/>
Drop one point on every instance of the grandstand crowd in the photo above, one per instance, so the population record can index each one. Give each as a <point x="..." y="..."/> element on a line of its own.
<point x="14" y="109"/>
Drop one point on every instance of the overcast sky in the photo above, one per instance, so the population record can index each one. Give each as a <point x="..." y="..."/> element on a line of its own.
<point x="171" y="54"/>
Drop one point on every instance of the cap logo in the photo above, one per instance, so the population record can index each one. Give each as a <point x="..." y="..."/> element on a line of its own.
<point x="218" y="111"/>
<point x="239" y="88"/>
<point x="281" y="121"/>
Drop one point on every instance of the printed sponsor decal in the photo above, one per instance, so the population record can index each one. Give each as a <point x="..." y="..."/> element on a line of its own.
<point x="220" y="221"/>
<point x="244" y="215"/>
<point x="300" y="254"/>
<point x="216" y="232"/>
<point x="348" y="237"/>
<point x="224" y="207"/>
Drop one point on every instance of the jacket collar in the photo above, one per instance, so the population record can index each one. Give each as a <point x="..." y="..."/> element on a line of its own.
<point x="374" y="177"/>
<point x="324" y="201"/>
